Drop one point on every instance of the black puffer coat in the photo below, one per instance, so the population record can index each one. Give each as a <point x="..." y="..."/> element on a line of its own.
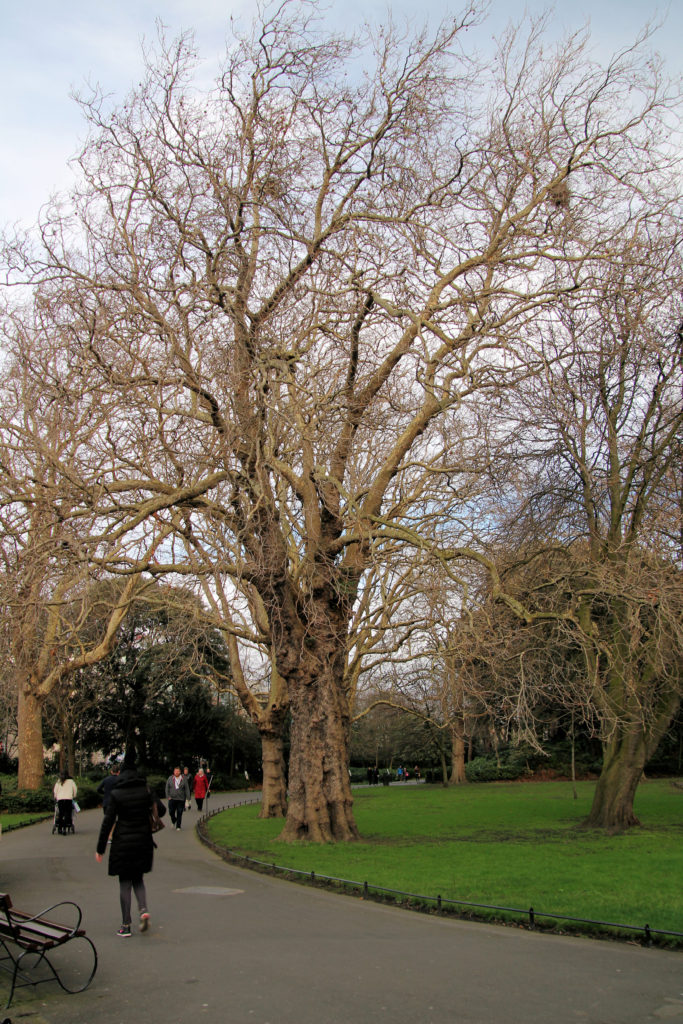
<point x="132" y="846"/>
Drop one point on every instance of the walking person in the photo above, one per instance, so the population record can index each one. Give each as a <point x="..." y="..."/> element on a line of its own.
<point x="177" y="792"/>
<point x="65" y="793"/>
<point x="201" y="788"/>
<point x="189" y="779"/>
<point x="105" y="787"/>
<point x="132" y="846"/>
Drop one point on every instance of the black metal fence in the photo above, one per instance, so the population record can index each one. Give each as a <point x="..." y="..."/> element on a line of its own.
<point x="529" y="916"/>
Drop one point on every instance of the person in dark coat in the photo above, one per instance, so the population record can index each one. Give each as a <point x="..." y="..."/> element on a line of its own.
<point x="106" y="785"/>
<point x="132" y="847"/>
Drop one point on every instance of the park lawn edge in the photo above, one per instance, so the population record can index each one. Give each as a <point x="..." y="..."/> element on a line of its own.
<point x="9" y="822"/>
<point x="505" y="917"/>
<point x="605" y="922"/>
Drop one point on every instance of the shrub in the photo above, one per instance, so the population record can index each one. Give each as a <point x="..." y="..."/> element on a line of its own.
<point x="8" y="765"/>
<point x="88" y="796"/>
<point x="25" y="801"/>
<point x="487" y="769"/>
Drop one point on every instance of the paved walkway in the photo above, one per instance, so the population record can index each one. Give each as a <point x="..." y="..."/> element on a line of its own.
<point x="228" y="946"/>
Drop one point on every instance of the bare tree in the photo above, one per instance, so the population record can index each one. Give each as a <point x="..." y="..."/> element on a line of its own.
<point x="597" y="524"/>
<point x="292" y="282"/>
<point x="51" y="545"/>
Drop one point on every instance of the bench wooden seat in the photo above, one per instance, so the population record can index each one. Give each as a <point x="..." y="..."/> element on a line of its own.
<point x="35" y="935"/>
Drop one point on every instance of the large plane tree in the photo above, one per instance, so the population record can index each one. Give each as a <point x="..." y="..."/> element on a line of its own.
<point x="292" y="281"/>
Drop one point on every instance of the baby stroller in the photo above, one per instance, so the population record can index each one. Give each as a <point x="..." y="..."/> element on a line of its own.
<point x="60" y="824"/>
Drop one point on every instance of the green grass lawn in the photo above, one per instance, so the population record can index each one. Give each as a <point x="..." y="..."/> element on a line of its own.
<point x="514" y="845"/>
<point x="10" y="821"/>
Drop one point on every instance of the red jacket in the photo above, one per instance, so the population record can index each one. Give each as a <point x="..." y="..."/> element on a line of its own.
<point x="201" y="785"/>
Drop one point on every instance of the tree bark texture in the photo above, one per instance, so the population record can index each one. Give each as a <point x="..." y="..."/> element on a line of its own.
<point x="30" y="729"/>
<point x="458" y="776"/>
<point x="320" y="804"/>
<point x="274" y="793"/>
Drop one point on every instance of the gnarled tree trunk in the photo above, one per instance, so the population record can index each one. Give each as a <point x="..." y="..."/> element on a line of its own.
<point x="320" y="806"/>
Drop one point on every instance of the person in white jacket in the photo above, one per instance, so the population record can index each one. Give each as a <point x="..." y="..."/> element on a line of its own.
<point x="65" y="793"/>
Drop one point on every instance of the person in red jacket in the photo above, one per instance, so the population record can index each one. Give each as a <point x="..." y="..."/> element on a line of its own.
<point x="201" y="788"/>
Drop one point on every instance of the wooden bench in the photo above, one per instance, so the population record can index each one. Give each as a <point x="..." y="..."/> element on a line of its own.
<point x="36" y="936"/>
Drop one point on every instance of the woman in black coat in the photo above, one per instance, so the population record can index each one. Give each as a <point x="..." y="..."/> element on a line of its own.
<point x="132" y="846"/>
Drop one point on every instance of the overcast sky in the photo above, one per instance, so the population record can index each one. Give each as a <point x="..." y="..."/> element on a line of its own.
<point x="48" y="49"/>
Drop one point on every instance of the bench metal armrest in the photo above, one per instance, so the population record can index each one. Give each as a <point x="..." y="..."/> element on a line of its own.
<point x="63" y="903"/>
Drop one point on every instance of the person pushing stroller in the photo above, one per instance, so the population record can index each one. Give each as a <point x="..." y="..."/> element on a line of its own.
<point x="65" y="793"/>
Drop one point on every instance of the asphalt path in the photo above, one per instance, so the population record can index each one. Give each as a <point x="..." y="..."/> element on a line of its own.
<point x="228" y="946"/>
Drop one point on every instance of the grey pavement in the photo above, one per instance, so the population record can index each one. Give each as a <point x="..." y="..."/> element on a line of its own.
<point x="228" y="946"/>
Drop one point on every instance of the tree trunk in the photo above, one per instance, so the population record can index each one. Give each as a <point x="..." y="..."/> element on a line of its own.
<point x="574" y="790"/>
<point x="30" y="729"/>
<point x="624" y="760"/>
<point x="458" y="776"/>
<point x="274" y="795"/>
<point x="635" y="738"/>
<point x="444" y="767"/>
<point x="320" y="806"/>
<point x="70" y="753"/>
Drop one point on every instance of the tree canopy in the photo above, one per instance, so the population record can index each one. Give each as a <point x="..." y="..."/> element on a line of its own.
<point x="308" y="304"/>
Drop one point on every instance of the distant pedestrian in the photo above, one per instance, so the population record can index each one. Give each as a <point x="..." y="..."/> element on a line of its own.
<point x="187" y="775"/>
<point x="132" y="848"/>
<point x="177" y="792"/>
<point x="209" y="778"/>
<point x="106" y="785"/>
<point x="371" y="776"/>
<point x="65" y="793"/>
<point x="201" y="788"/>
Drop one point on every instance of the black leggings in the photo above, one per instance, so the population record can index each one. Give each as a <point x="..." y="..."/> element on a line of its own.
<point x="125" y="887"/>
